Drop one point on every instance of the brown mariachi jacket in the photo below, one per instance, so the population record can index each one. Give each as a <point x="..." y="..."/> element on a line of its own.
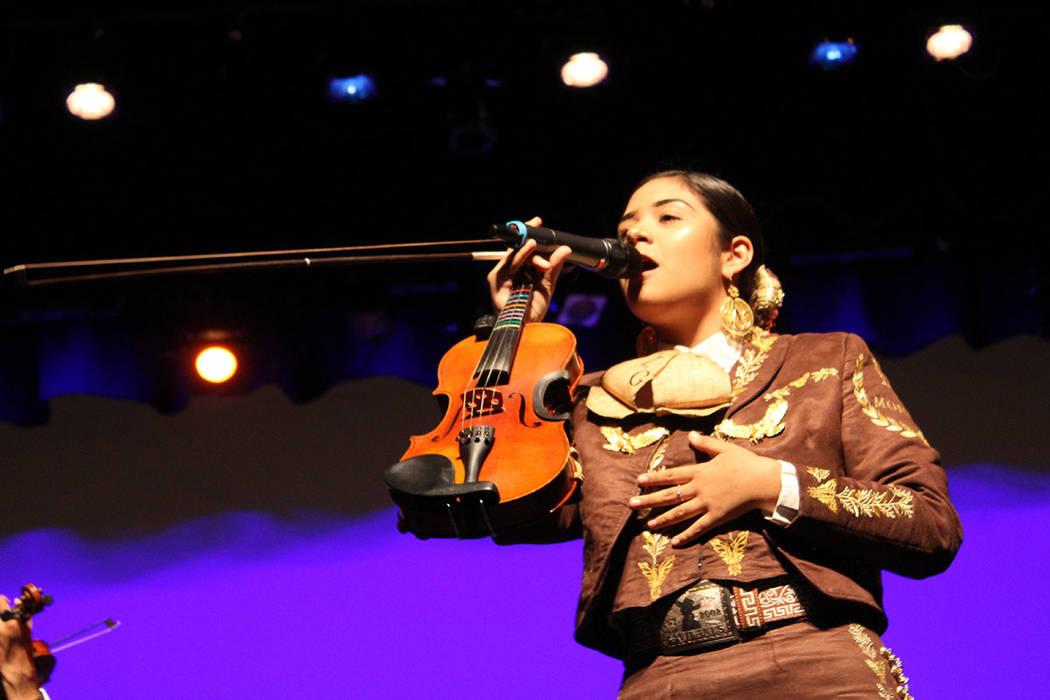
<point x="872" y="493"/>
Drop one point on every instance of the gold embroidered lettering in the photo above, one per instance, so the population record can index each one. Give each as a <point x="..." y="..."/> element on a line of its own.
<point x="873" y="414"/>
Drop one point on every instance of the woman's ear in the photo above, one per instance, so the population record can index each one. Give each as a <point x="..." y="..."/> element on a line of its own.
<point x="737" y="256"/>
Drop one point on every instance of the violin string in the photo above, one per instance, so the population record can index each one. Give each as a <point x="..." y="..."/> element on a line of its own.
<point x="496" y="357"/>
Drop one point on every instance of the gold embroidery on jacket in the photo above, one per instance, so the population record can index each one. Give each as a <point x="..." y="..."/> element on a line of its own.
<point x="816" y="376"/>
<point x="731" y="550"/>
<point x="746" y="369"/>
<point x="762" y="339"/>
<point x="818" y="474"/>
<point x="654" y="570"/>
<point x="751" y="360"/>
<point x="879" y="402"/>
<point x="617" y="440"/>
<point x="894" y="502"/>
<point x="877" y="417"/>
<point x="771" y="424"/>
<point x="825" y="493"/>
<point x="897" y="672"/>
<point x="880" y="662"/>
<point x="655" y="464"/>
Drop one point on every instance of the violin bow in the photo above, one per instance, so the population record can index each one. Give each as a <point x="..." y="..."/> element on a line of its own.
<point x="104" y="626"/>
<point x="64" y="272"/>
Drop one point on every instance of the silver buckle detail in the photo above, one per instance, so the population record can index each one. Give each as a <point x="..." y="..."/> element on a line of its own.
<point x="700" y="617"/>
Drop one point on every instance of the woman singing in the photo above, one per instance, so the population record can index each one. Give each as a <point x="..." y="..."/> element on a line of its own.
<point x="742" y="490"/>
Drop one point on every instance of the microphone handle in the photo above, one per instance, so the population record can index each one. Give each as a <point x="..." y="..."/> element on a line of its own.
<point x="606" y="256"/>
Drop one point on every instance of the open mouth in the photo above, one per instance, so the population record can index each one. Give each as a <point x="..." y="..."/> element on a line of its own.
<point x="648" y="263"/>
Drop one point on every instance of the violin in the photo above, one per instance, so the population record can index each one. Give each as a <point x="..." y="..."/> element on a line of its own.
<point x="30" y="602"/>
<point x="501" y="456"/>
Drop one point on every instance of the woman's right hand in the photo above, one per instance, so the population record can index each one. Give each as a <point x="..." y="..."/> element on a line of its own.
<point x="501" y="276"/>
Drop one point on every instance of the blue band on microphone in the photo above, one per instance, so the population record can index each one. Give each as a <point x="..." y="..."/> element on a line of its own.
<point x="518" y="226"/>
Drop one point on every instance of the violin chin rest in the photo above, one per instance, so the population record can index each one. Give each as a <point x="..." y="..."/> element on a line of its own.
<point x="432" y="478"/>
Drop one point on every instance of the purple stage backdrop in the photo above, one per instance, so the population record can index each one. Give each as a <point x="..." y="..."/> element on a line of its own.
<point x="309" y="606"/>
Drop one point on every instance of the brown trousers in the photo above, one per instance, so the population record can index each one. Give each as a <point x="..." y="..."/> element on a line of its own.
<point x="796" y="661"/>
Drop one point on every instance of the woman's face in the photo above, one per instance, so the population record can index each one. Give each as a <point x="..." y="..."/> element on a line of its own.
<point x="669" y="225"/>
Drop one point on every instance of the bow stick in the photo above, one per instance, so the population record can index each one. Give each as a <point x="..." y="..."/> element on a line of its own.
<point x="49" y="273"/>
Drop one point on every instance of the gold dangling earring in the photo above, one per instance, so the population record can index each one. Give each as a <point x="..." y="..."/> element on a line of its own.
<point x="737" y="317"/>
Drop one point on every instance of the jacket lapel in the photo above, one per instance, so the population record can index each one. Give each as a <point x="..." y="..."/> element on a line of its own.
<point x="761" y="366"/>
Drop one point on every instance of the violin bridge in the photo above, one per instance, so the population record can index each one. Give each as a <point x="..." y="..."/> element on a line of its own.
<point x="482" y="402"/>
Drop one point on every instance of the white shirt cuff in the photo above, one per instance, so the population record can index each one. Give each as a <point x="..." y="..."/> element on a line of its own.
<point x="787" y="504"/>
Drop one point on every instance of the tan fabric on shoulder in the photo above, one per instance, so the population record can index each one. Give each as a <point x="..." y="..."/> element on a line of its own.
<point x="665" y="382"/>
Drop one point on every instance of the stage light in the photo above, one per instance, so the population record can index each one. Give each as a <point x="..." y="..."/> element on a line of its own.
<point x="90" y="101"/>
<point x="950" y="41"/>
<point x="216" y="364"/>
<point x="584" y="70"/>
<point x="355" y="88"/>
<point x="831" y="54"/>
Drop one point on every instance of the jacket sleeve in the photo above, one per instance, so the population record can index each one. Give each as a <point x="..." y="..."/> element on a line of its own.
<point x="889" y="504"/>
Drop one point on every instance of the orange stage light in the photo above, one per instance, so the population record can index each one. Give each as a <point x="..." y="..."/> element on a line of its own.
<point x="216" y="364"/>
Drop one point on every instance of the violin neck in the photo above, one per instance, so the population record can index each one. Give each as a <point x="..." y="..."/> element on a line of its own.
<point x="494" y="366"/>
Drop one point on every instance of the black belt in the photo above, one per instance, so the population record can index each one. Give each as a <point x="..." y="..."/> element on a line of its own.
<point x="707" y="615"/>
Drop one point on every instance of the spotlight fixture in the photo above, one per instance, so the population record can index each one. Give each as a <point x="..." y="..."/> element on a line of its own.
<point x="216" y="364"/>
<point x="354" y="88"/>
<point x="584" y="70"/>
<point x="831" y="54"/>
<point x="948" y="42"/>
<point x="90" y="101"/>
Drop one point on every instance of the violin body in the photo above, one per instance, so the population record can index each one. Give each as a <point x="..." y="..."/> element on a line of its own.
<point x="500" y="457"/>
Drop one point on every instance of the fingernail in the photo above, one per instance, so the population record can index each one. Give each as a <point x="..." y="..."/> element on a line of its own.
<point x="675" y="541"/>
<point x="693" y="435"/>
<point x="636" y="502"/>
<point x="642" y="478"/>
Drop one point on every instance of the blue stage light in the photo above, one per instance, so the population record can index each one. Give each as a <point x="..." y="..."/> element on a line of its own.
<point x="355" y="88"/>
<point x="830" y="54"/>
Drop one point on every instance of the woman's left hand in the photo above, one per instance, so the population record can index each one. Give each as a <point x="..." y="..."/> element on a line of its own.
<point x="16" y="658"/>
<point x="733" y="482"/>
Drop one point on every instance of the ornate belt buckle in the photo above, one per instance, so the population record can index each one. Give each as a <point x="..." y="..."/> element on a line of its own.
<point x="699" y="618"/>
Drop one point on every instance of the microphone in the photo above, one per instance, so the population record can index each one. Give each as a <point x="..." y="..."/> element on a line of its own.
<point x="606" y="256"/>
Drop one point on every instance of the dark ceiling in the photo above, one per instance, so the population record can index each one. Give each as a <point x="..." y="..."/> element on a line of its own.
<point x="223" y="138"/>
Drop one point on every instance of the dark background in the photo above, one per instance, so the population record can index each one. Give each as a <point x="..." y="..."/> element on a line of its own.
<point x="899" y="194"/>
<point x="900" y="202"/>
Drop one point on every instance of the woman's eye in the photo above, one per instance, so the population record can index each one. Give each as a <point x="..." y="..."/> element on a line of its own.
<point x="668" y="217"/>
